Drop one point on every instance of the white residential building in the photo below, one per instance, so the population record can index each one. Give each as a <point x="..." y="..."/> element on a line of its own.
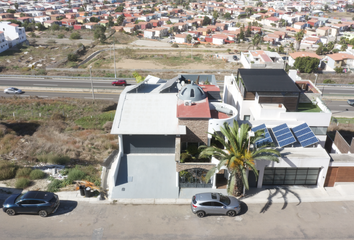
<point x="13" y="33"/>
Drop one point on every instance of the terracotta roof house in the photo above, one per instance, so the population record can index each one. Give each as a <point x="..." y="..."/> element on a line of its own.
<point x="293" y="56"/>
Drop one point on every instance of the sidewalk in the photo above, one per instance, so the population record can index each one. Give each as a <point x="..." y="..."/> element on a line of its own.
<point x="282" y="194"/>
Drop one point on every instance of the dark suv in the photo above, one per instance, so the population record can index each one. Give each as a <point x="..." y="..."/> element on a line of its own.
<point x="119" y="83"/>
<point x="35" y="202"/>
<point x="215" y="203"/>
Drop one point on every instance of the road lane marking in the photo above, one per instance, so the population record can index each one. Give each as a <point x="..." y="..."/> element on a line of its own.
<point x="43" y="96"/>
<point x="47" y="85"/>
<point x="98" y="98"/>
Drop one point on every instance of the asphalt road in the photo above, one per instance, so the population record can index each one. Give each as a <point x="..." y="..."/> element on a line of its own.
<point x="327" y="220"/>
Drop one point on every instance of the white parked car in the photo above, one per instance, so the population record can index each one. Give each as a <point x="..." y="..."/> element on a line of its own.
<point x="13" y="90"/>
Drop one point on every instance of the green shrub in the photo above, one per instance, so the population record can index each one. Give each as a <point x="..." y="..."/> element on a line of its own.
<point x="54" y="186"/>
<point x="54" y="159"/>
<point x="22" y="183"/>
<point x="76" y="174"/>
<point x="37" y="174"/>
<point x="184" y="156"/>
<point x="61" y="35"/>
<point x="7" y="170"/>
<point x="23" y="172"/>
<point x="75" y="35"/>
<point x="175" y="45"/>
<point x="328" y="81"/>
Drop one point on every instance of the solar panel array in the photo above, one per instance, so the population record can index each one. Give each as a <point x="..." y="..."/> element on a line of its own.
<point x="305" y="135"/>
<point x="283" y="135"/>
<point x="267" y="138"/>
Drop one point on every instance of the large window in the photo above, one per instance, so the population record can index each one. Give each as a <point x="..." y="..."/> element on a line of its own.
<point x="319" y="130"/>
<point x="194" y="178"/>
<point x="290" y="176"/>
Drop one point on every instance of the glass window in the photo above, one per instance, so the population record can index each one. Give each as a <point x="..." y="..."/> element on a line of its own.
<point x="224" y="199"/>
<point x="192" y="92"/>
<point x="246" y="117"/>
<point x="217" y="204"/>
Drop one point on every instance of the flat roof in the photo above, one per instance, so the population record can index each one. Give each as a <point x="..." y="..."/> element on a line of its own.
<point x="267" y="80"/>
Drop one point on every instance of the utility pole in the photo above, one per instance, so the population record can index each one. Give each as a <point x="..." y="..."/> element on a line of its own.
<point x="93" y="95"/>
<point x="192" y="51"/>
<point x="114" y="56"/>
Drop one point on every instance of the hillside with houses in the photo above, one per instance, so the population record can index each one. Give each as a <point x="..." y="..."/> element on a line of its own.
<point x="290" y="29"/>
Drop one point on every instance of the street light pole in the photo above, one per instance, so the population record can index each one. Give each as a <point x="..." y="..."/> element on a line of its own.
<point x="93" y="95"/>
<point x="191" y="51"/>
<point x="114" y="54"/>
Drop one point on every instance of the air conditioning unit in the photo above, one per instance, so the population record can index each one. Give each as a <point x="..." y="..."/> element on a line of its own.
<point x="187" y="102"/>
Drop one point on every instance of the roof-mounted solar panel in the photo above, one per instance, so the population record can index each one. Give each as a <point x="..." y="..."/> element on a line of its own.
<point x="305" y="135"/>
<point x="283" y="135"/>
<point x="267" y="138"/>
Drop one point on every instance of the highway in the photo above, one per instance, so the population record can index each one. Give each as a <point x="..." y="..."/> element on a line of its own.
<point x="335" y="97"/>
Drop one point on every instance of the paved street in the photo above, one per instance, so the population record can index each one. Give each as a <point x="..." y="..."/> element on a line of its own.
<point x="331" y="220"/>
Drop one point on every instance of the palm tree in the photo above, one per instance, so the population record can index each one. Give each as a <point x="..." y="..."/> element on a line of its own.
<point x="237" y="155"/>
<point x="256" y="40"/>
<point x="189" y="38"/>
<point x="298" y="37"/>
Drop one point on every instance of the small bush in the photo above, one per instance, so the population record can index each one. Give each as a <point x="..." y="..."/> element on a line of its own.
<point x="75" y="35"/>
<point x="328" y="81"/>
<point x="54" y="186"/>
<point x="37" y="174"/>
<point x="76" y="174"/>
<point x="60" y="36"/>
<point x="22" y="183"/>
<point x="23" y="172"/>
<point x="7" y="170"/>
<point x="175" y="45"/>
<point x="72" y="57"/>
<point x="55" y="159"/>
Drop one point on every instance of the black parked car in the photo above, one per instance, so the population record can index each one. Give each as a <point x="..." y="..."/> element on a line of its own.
<point x="37" y="202"/>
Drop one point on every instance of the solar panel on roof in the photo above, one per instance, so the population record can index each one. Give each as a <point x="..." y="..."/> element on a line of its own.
<point x="283" y="135"/>
<point x="305" y="135"/>
<point x="267" y="138"/>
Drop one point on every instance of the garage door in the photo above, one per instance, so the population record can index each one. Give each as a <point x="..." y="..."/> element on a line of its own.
<point x="290" y="176"/>
<point x="149" y="144"/>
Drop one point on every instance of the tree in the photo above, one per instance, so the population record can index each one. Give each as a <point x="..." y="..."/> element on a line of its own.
<point x="75" y="35"/>
<point x="206" y="21"/>
<point x="215" y="15"/>
<point x="281" y="49"/>
<point x="237" y="155"/>
<point x="248" y="30"/>
<point x="227" y="15"/>
<point x="259" y="4"/>
<point x="249" y="11"/>
<point x="100" y="33"/>
<point x="72" y="57"/>
<point x="256" y="40"/>
<point x="298" y="37"/>
<point x="94" y="19"/>
<point x="189" y="38"/>
<point x="119" y="8"/>
<point x="242" y="34"/>
<point x="319" y="50"/>
<point x="40" y="26"/>
<point x="306" y="64"/>
<point x="120" y="20"/>
<point x="325" y="7"/>
<point x="330" y="46"/>
<point x="55" y="27"/>
<point x="16" y="5"/>
<point x="11" y="11"/>
<point x="169" y="22"/>
<point x="138" y="77"/>
<point x="344" y="47"/>
<point x="338" y="69"/>
<point x="110" y="21"/>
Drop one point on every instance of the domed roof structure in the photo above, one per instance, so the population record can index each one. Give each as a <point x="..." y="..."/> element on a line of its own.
<point x="192" y="92"/>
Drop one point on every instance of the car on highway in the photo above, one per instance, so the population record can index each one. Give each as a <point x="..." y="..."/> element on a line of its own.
<point x="13" y="90"/>
<point x="215" y="203"/>
<point x="35" y="202"/>
<point x="119" y="83"/>
<point x="350" y="102"/>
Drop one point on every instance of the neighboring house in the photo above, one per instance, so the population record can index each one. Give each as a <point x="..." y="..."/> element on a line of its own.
<point x="13" y="33"/>
<point x="293" y="56"/>
<point x="130" y="27"/>
<point x="326" y="31"/>
<point x="271" y="21"/>
<point x="311" y="40"/>
<point x="181" y="38"/>
<point x="68" y="22"/>
<point x="269" y="97"/>
<point x="91" y="25"/>
<point x="341" y="60"/>
<point x="41" y="19"/>
<point x="149" y="33"/>
<point x="257" y="59"/>
<point x="50" y="23"/>
<point x="3" y="43"/>
<point x="219" y="39"/>
<point x="300" y="25"/>
<point x="161" y="32"/>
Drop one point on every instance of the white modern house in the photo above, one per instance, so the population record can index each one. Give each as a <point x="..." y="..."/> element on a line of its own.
<point x="261" y="59"/>
<point x="13" y="33"/>
<point x="3" y="43"/>
<point x="271" y="100"/>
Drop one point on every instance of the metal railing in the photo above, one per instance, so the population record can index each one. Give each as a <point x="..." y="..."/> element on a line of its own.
<point x="61" y="77"/>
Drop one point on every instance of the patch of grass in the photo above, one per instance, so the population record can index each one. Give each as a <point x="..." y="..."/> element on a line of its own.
<point x="54" y="159"/>
<point x="308" y="107"/>
<point x="8" y="143"/>
<point x="22" y="183"/>
<point x="7" y="170"/>
<point x="95" y="121"/>
<point x="23" y="172"/>
<point x="37" y="174"/>
<point x="54" y="186"/>
<point x="343" y="120"/>
<point x="76" y="174"/>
